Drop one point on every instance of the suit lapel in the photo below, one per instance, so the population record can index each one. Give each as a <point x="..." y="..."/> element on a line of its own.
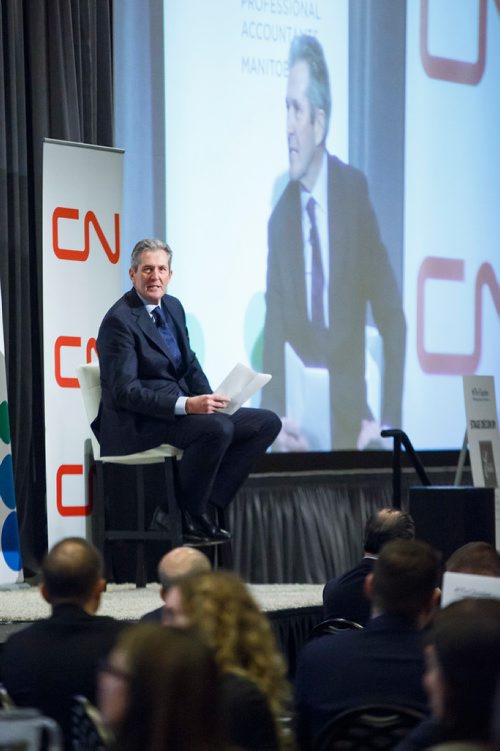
<point x="296" y="255"/>
<point x="337" y="232"/>
<point x="146" y="323"/>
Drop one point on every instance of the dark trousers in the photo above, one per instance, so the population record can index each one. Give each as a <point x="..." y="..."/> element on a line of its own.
<point x="219" y="452"/>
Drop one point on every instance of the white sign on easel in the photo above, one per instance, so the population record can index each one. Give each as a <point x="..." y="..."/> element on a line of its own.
<point x="482" y="436"/>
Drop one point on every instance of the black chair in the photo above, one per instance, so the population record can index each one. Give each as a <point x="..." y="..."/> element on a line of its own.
<point x="372" y="727"/>
<point x="334" y="626"/>
<point x="88" y="732"/>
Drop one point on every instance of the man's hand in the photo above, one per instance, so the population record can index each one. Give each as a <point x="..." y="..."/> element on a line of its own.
<point x="290" y="437"/>
<point x="369" y="437"/>
<point x="206" y="404"/>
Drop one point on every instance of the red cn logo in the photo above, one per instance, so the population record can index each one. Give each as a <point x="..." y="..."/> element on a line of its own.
<point x="90" y="220"/>
<point x="449" y="69"/>
<point x="452" y="269"/>
<point x="61" y="343"/>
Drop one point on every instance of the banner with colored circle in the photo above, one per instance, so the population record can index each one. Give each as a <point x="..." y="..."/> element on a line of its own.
<point x="10" y="552"/>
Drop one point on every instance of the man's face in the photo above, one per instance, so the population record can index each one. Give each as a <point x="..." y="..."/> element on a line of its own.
<point x="152" y="276"/>
<point x="305" y="132"/>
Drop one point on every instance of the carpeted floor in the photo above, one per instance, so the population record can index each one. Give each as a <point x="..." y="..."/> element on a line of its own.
<point x="125" y="602"/>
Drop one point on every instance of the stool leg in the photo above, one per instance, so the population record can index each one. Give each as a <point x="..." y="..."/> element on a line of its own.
<point x="141" y="577"/>
<point x="97" y="522"/>
<point x="224" y="553"/>
<point x="174" y="513"/>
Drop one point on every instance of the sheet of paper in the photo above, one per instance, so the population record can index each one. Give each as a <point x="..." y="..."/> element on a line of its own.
<point x="239" y="385"/>
<point x="459" y="586"/>
<point x="308" y="400"/>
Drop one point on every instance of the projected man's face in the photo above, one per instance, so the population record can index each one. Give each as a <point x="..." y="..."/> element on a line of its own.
<point x="305" y="132"/>
<point x="152" y="276"/>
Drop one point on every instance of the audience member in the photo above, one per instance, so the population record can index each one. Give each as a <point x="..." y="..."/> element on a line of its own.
<point x="177" y="564"/>
<point x="344" y="596"/>
<point x="254" y="690"/>
<point x="462" y="672"/>
<point x="47" y="663"/>
<point x="479" y="558"/>
<point x="382" y="663"/>
<point x="158" y="691"/>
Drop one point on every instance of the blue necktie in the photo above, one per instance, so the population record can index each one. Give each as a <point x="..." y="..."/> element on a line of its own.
<point x="168" y="337"/>
<point x="317" y="276"/>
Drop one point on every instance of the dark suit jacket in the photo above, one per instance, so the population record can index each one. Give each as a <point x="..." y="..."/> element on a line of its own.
<point x="246" y="717"/>
<point x="139" y="383"/>
<point x="360" y="272"/>
<point x="344" y="596"/>
<point x="47" y="663"/>
<point x="383" y="663"/>
<point x="154" y="616"/>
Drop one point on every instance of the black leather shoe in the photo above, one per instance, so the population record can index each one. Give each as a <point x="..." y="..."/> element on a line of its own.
<point x="191" y="531"/>
<point x="159" y="522"/>
<point x="212" y="531"/>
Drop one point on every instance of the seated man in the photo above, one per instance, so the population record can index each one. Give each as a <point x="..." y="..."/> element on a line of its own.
<point x="154" y="391"/>
<point x="382" y="663"/>
<point x="345" y="596"/>
<point x="175" y="565"/>
<point x="47" y="663"/>
<point x="479" y="558"/>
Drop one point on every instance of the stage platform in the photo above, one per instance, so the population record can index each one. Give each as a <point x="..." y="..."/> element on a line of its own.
<point x="300" y="517"/>
<point x="292" y="608"/>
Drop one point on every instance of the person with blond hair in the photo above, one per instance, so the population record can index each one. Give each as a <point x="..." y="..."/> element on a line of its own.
<point x="254" y="689"/>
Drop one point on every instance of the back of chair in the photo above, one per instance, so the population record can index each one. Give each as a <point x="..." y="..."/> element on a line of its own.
<point x="373" y="727"/>
<point x="6" y="701"/>
<point x="88" y="732"/>
<point x="333" y="626"/>
<point x="29" y="730"/>
<point x="90" y="385"/>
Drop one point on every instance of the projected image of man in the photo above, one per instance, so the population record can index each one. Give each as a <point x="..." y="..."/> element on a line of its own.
<point x="326" y="262"/>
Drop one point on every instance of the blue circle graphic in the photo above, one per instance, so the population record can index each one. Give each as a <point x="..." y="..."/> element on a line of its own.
<point x="10" y="542"/>
<point x="7" y="482"/>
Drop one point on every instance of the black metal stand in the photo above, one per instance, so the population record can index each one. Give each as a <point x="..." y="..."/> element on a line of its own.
<point x="400" y="437"/>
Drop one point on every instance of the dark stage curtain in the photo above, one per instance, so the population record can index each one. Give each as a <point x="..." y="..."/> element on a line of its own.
<point x="55" y="82"/>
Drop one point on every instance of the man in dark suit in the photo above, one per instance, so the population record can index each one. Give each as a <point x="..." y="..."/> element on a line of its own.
<point x="154" y="391"/>
<point x="326" y="262"/>
<point x="345" y="596"/>
<point x="382" y="663"/>
<point x="175" y="565"/>
<point x="47" y="663"/>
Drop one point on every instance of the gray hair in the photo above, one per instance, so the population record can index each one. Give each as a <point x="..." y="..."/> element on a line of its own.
<point x="308" y="49"/>
<point x="149" y="243"/>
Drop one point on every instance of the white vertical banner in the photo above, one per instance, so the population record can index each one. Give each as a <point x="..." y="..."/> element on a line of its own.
<point x="82" y="204"/>
<point x="10" y="554"/>
<point x="483" y="436"/>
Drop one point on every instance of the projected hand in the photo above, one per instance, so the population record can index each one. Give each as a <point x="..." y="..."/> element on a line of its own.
<point x="290" y="437"/>
<point x="370" y="438"/>
<point x="206" y="404"/>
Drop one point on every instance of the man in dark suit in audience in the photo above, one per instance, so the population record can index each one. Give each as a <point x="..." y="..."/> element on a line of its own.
<point x="345" y="596"/>
<point x="382" y="663"/>
<point x="175" y="565"/>
<point x="154" y="391"/>
<point x="47" y="663"/>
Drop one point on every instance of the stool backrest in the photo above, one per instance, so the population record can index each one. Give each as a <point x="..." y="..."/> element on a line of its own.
<point x="89" y="377"/>
<point x="28" y="730"/>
